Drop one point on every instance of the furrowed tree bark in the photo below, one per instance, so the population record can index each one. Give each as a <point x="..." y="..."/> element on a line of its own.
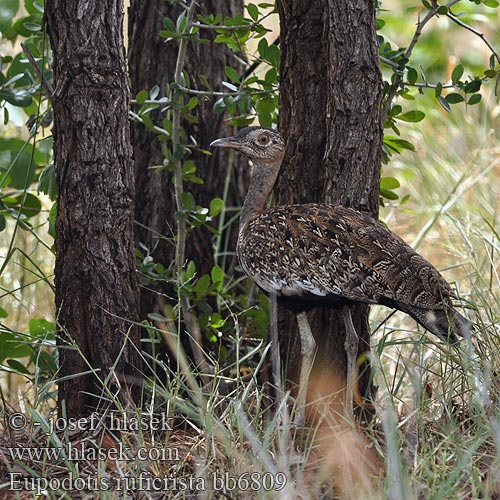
<point x="330" y="115"/>
<point x="95" y="274"/>
<point x="152" y="62"/>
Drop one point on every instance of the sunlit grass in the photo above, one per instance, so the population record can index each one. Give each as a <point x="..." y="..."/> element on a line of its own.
<point x="446" y="399"/>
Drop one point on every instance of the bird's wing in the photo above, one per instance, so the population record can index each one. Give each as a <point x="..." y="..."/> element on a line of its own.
<point x="333" y="250"/>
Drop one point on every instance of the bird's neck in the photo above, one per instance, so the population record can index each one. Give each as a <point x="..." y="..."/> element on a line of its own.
<point x="261" y="184"/>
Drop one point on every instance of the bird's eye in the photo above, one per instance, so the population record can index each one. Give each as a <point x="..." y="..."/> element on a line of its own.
<point x="264" y="139"/>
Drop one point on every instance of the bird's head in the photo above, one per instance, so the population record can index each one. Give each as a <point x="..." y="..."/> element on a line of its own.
<point x="262" y="145"/>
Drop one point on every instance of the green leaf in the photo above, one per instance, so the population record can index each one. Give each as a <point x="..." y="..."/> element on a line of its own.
<point x="169" y="24"/>
<point x="219" y="106"/>
<point x="22" y="25"/>
<point x="154" y="92"/>
<point x="216" y="320"/>
<point x="32" y="26"/>
<point x="491" y="3"/>
<point x="398" y="144"/>
<point x="412" y="75"/>
<point x="188" y="201"/>
<point x="472" y="86"/>
<point x="190" y="271"/>
<point x="16" y="161"/>
<point x="273" y="55"/>
<point x="262" y="48"/>
<point x="390" y="195"/>
<point x="439" y="89"/>
<point x="389" y="183"/>
<point x="217" y="275"/>
<point x="13" y="346"/>
<point x="204" y="82"/>
<point x="141" y="96"/>
<point x="444" y="103"/>
<point x="193" y="102"/>
<point x="271" y="76"/>
<point x="413" y="116"/>
<point x="232" y="74"/>
<point x="16" y="97"/>
<point x="454" y="98"/>
<point x="40" y="327"/>
<point x="216" y="206"/>
<point x="46" y="363"/>
<point x="18" y="367"/>
<point x="168" y="34"/>
<point x="266" y="120"/>
<point x="28" y="204"/>
<point x="202" y="285"/>
<point x="34" y="7"/>
<point x="3" y="313"/>
<point x="47" y="182"/>
<point x="253" y="11"/>
<point x="8" y="9"/>
<point x="395" y="110"/>
<point x="476" y="98"/>
<point x="265" y="105"/>
<point x="457" y="73"/>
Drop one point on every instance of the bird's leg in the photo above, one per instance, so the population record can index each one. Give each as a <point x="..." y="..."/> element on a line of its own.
<point x="351" y="349"/>
<point x="307" y="348"/>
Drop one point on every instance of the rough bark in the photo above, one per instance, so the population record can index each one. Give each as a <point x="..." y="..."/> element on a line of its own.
<point x="152" y="62"/>
<point x="330" y="102"/>
<point x="95" y="274"/>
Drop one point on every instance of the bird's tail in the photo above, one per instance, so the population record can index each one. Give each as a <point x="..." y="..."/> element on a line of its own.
<point x="447" y="323"/>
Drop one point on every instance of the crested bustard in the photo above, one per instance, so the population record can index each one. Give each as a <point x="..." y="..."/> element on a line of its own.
<point x="319" y="254"/>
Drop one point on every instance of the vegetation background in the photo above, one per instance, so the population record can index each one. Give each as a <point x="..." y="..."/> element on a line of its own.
<point x="437" y="410"/>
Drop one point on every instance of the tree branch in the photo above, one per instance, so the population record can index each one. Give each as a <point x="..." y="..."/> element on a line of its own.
<point x="477" y="33"/>
<point x="45" y="84"/>
<point x="399" y="78"/>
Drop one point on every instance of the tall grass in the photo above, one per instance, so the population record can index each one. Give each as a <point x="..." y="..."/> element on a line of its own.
<point x="446" y="400"/>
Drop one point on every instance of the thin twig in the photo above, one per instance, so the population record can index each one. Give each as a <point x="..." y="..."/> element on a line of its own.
<point x="176" y="124"/>
<point x="434" y="85"/>
<point x="399" y="77"/>
<point x="233" y="28"/>
<point x="157" y="129"/>
<point x="221" y="94"/>
<point x="162" y="100"/>
<point x="477" y="33"/>
<point x="45" y="84"/>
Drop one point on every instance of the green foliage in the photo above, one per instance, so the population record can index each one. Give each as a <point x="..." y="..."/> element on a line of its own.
<point x="25" y="161"/>
<point x="33" y="347"/>
<point x="419" y="66"/>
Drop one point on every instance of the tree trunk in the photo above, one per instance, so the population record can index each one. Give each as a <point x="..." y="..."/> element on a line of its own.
<point x="95" y="274"/>
<point x="152" y="62"/>
<point x="330" y="96"/>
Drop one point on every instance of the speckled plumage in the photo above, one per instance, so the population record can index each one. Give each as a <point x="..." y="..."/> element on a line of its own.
<point x="318" y="254"/>
<point x="328" y="253"/>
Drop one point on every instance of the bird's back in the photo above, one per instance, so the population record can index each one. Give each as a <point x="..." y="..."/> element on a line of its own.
<point x="330" y="251"/>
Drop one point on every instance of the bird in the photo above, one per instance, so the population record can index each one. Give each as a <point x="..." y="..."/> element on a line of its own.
<point x="328" y="255"/>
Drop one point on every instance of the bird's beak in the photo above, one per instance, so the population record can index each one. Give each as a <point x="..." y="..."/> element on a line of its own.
<point x="225" y="142"/>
